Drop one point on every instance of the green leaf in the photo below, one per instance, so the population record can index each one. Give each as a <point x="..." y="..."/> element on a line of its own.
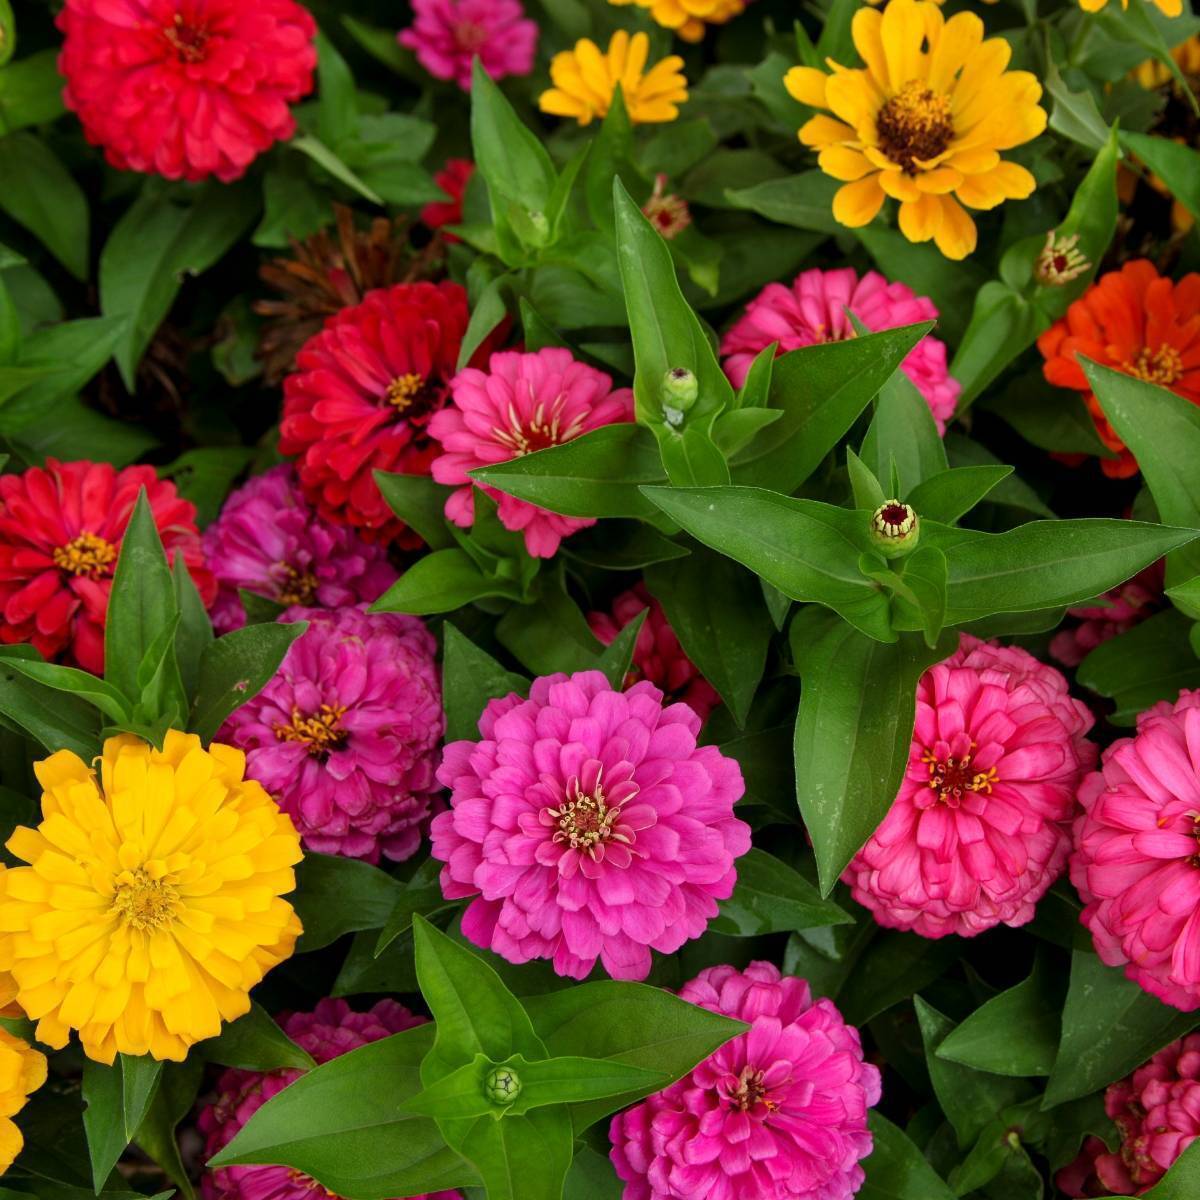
<point x="337" y="895"/>
<point x="521" y="1157"/>
<point x="173" y="1100"/>
<point x="551" y="633"/>
<point x="949" y="494"/>
<point x="771" y="897"/>
<point x="194" y="633"/>
<point x="1003" y="324"/>
<point x="441" y="582"/>
<point x="337" y="109"/>
<point x="255" y="1043"/>
<point x="55" y="719"/>
<point x="617" y="657"/>
<point x="102" y="696"/>
<point x="487" y="313"/>
<point x="1178" y="166"/>
<point x="803" y="200"/>
<point x="1075" y="114"/>
<point x="897" y="1170"/>
<point x="40" y="194"/>
<point x="329" y="161"/>
<point x="868" y="492"/>
<point x="903" y="431"/>
<point x="420" y="504"/>
<point x="470" y="678"/>
<point x="611" y="152"/>
<point x="592" y="1177"/>
<point x="117" y="1098"/>
<point x="421" y="894"/>
<point x="140" y="1078"/>
<point x="924" y="575"/>
<point x="31" y="91"/>
<point x="1048" y="417"/>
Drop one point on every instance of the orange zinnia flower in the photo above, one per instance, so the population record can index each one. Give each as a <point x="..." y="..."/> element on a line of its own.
<point x="1135" y="321"/>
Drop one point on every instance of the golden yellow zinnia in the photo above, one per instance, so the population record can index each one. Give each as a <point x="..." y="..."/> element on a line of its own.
<point x="923" y="122"/>
<point x="689" y="18"/>
<point x="585" y="79"/>
<point x="22" y="1071"/>
<point x="1170" y="8"/>
<point x="151" y="905"/>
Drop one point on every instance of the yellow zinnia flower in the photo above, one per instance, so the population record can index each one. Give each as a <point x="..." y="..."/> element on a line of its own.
<point x="690" y="18"/>
<point x="1169" y="8"/>
<point x="151" y="905"/>
<point x="1153" y="74"/>
<point x="923" y="122"/>
<point x="584" y="81"/>
<point x="22" y="1071"/>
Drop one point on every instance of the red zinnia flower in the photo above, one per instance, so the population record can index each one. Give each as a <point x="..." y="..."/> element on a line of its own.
<point x="1135" y="321"/>
<point x="60" y="533"/>
<point x="364" y="392"/>
<point x="452" y="179"/>
<point x="186" y="88"/>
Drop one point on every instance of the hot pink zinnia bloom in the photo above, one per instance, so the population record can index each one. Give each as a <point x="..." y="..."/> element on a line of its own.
<point x="778" y="1113"/>
<point x="269" y="541"/>
<point x="1135" y="855"/>
<point x="657" y="654"/>
<point x="186" y="88"/>
<point x="980" y="828"/>
<point x="1126" y="606"/>
<point x="588" y="824"/>
<point x="448" y="34"/>
<point x="345" y="736"/>
<point x="521" y="403"/>
<point x="812" y="310"/>
<point x="330" y="1030"/>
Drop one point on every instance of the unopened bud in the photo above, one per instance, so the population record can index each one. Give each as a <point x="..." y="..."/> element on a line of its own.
<point x="502" y="1085"/>
<point x="679" y="392"/>
<point x="895" y="529"/>
<point x="538" y="220"/>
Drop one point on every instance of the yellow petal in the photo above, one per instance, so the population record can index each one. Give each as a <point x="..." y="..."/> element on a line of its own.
<point x="956" y="235"/>
<point x="920" y="219"/>
<point x="807" y="85"/>
<point x="857" y="204"/>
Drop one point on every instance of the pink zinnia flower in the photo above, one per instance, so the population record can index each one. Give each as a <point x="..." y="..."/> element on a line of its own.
<point x="268" y="540"/>
<point x="186" y="88"/>
<point x="812" y="310"/>
<point x="330" y="1030"/>
<point x="588" y="824"/>
<point x="522" y="403"/>
<point x="1126" y="606"/>
<point x="448" y="34"/>
<point x="452" y="179"/>
<point x="1136" y="849"/>
<point x="345" y="736"/>
<point x="1157" y="1110"/>
<point x="657" y="654"/>
<point x="980" y="828"/>
<point x="778" y="1113"/>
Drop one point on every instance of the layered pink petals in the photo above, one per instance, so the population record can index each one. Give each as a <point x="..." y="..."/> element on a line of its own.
<point x="778" y="1113"/>
<point x="586" y="823"/>
<point x="980" y="827"/>
<point x="448" y="34"/>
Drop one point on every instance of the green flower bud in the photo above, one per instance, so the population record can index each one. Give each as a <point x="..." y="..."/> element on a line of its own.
<point x="680" y="389"/>
<point x="895" y="529"/>
<point x="540" y="223"/>
<point x="502" y="1085"/>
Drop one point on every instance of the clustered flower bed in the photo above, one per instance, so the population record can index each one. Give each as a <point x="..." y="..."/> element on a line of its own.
<point x="599" y="600"/>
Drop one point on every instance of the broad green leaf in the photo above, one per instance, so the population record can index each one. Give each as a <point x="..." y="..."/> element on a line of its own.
<point x="1075" y="114"/>
<point x="622" y="546"/>
<point x="255" y="1043"/>
<point x="949" y="494"/>
<point x="510" y="157"/>
<point x="551" y="633"/>
<point x="140" y="1078"/>
<point x="771" y="897"/>
<point x="1178" y="166"/>
<point x="117" y="1098"/>
<point x="337" y="110"/>
<point x="194" y="633"/>
<point x="336" y="895"/>
<point x="804" y="200"/>
<point x="421" y="894"/>
<point x="617" y="657"/>
<point x="40" y="194"/>
<point x="924" y="574"/>
<point x="174" y="1099"/>
<point x="102" y="696"/>
<point x="55" y="719"/>
<point x="1047" y="417"/>
<point x="420" y="504"/>
<point x="903" y="431"/>
<point x="521" y="1157"/>
<point x="441" y="582"/>
<point x="327" y="160"/>
<point x="868" y="492"/>
<point x="31" y="91"/>
<point x="897" y="1170"/>
<point x="470" y="678"/>
<point x="612" y="148"/>
<point x="1003" y="324"/>
<point x="592" y="1177"/>
<point x="486" y="314"/>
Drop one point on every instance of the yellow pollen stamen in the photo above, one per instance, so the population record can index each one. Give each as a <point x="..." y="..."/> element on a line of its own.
<point x="320" y="732"/>
<point x="86" y="555"/>
<point x="952" y="777"/>
<point x="1163" y="366"/>
<point x="187" y="42"/>
<point x="144" y="902"/>
<point x="914" y="125"/>
<point x="297" y="587"/>
<point x="584" y="821"/>
<point x="542" y="430"/>
<point x="403" y="389"/>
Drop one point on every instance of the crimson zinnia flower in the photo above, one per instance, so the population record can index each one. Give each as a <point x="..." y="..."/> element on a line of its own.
<point x="186" y="88"/>
<point x="60" y="534"/>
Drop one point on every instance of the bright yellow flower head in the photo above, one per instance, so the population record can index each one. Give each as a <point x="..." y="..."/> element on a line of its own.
<point x="1170" y="8"/>
<point x="584" y="81"/>
<point x="690" y="18"/>
<point x="22" y="1071"/>
<point x="923" y="122"/>
<point x="152" y="903"/>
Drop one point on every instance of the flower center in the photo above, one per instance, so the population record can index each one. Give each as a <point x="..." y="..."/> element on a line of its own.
<point x="953" y="776"/>
<point x="543" y="429"/>
<point x="144" y="902"/>
<point x="470" y="35"/>
<point x="404" y="389"/>
<point x="914" y="126"/>
<point x="296" y="587"/>
<point x="1163" y="366"/>
<point x="86" y="555"/>
<point x="584" y="820"/>
<point x="749" y="1091"/>
<point x="186" y="40"/>
<point x="321" y="732"/>
<point x="668" y="213"/>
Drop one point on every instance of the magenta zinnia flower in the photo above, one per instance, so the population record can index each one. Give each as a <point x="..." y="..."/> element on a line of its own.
<point x="345" y="736"/>
<point x="587" y="823"/>
<point x="1136" y="850"/>
<point x="980" y="828"/>
<point x="448" y="34"/>
<point x="1123" y="608"/>
<point x="812" y="310"/>
<point x="269" y="541"/>
<point x="522" y="403"/>
<point x="657" y="654"/>
<point x="778" y="1113"/>
<point x="327" y="1032"/>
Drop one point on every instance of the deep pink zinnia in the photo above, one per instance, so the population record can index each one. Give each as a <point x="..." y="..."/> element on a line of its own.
<point x="268" y="540"/>
<point x="453" y="179"/>
<point x="1123" y="608"/>
<point x="186" y="88"/>
<point x="1136" y="850"/>
<point x="345" y="735"/>
<point x="813" y="310"/>
<point x="980" y="827"/>
<point x="521" y="403"/>
<point x="778" y="1113"/>
<point x="657" y="654"/>
<point x="448" y="34"/>
<point x="330" y="1030"/>
<point x="587" y="823"/>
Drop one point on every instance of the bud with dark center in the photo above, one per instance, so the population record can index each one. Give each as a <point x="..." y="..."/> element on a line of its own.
<point x="895" y="529"/>
<point x="679" y="392"/>
<point x="501" y="1086"/>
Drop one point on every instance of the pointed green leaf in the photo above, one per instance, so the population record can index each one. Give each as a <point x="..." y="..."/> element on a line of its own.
<point x="255" y="1043"/>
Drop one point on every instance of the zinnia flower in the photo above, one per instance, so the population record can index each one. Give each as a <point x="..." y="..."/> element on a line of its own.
<point x="1123" y="608"/>
<point x="345" y="735"/>
<point x="152" y="904"/>
<point x="186" y="88"/>
<point x="1169" y="8"/>
<point x="521" y="403"/>
<point x="657" y="654"/>
<point x="980" y="828"/>
<point x="332" y="1029"/>
<point x="586" y="823"/>
<point x="268" y="541"/>
<point x="923" y="122"/>
<point x="60" y="533"/>
<point x="813" y="310"/>
<point x="585" y="79"/>
<point x="363" y="395"/>
<point x="1132" y="320"/>
<point x="667" y="212"/>
<point x="452" y="179"/>
<point x="1157" y="1111"/>
<point x="1135" y="855"/>
<point x="778" y="1113"/>
<point x="689" y="18"/>
<point x="448" y="34"/>
<point x="22" y="1071"/>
